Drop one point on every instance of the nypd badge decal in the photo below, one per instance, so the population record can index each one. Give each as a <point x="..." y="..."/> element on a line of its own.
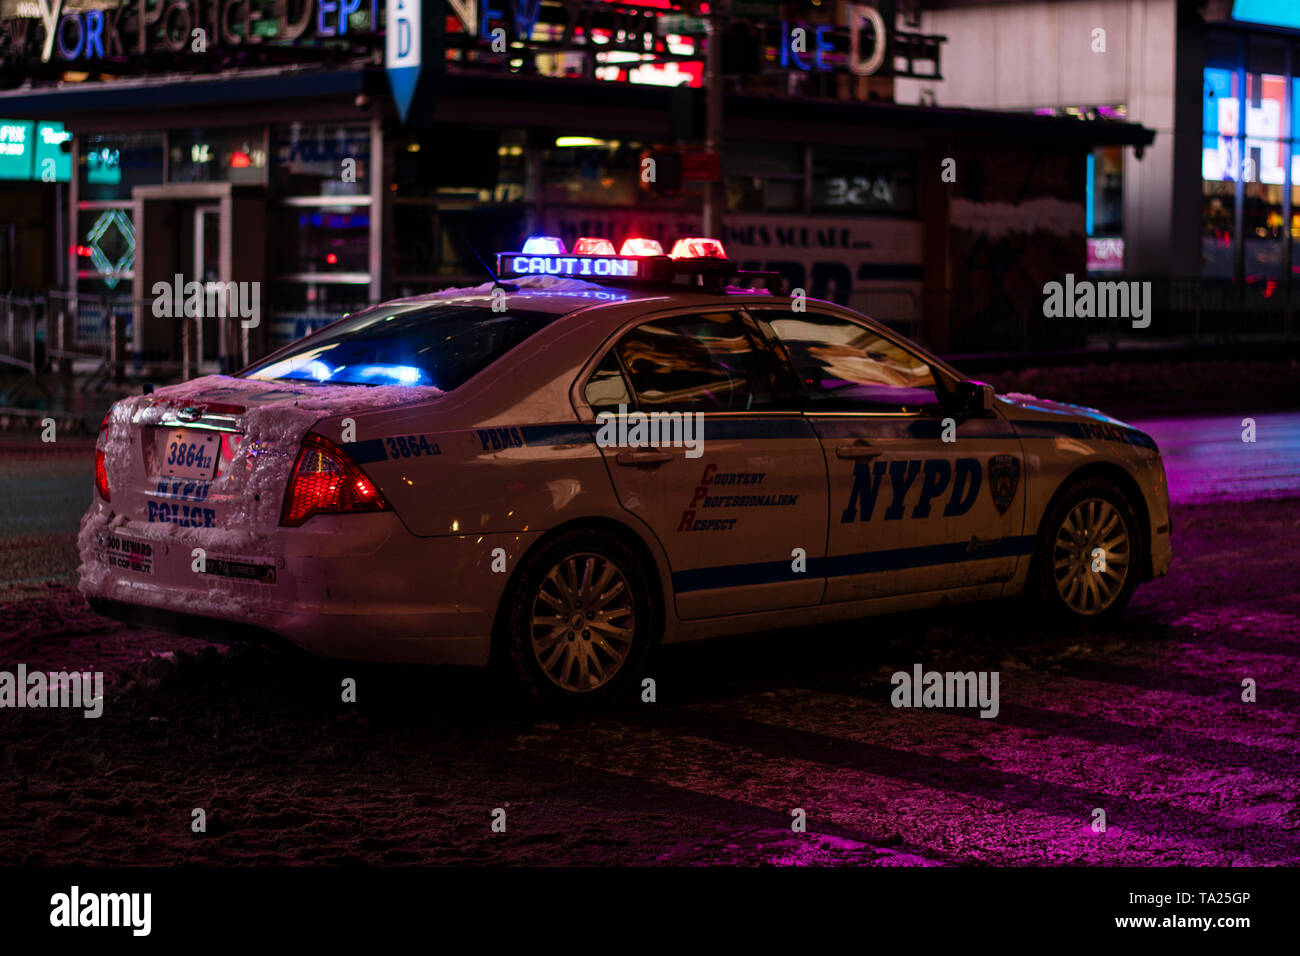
<point x="1004" y="478"/>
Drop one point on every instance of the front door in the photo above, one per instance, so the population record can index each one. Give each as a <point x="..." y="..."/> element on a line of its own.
<point x="918" y="501"/>
<point x="188" y="230"/>
<point x="742" y="515"/>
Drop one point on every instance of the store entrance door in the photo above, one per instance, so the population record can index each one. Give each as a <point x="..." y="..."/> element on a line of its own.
<point x="202" y="294"/>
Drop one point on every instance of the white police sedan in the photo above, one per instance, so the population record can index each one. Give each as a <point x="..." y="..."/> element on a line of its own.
<point x="596" y="452"/>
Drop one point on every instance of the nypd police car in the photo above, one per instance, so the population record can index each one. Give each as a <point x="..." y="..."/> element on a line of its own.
<point x="596" y="452"/>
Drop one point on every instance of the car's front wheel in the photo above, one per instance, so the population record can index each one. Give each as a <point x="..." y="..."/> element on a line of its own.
<point x="1086" y="562"/>
<point x="579" y="620"/>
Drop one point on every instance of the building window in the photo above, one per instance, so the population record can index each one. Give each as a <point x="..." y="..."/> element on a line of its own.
<point x="320" y="159"/>
<point x="329" y="239"/>
<point x="765" y="177"/>
<point x="1246" y="157"/>
<point x="1107" y="183"/>
<point x="1294" y="143"/>
<point x="857" y="181"/>
<point x="109" y="166"/>
<point x="450" y="203"/>
<point x="320" y="174"/>
<point x="300" y="308"/>
<point x="1105" y="209"/>
<point x="234" y="155"/>
<point x="586" y="171"/>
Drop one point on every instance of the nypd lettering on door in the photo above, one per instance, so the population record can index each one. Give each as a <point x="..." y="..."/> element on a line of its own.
<point x="961" y="479"/>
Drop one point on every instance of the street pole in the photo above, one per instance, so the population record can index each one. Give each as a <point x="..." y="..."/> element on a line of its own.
<point x="713" y="92"/>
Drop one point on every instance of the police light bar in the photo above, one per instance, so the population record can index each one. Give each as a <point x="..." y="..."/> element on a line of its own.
<point x="593" y="259"/>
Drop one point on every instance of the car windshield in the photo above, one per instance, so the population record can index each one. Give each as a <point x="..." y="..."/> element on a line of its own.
<point x="440" y="344"/>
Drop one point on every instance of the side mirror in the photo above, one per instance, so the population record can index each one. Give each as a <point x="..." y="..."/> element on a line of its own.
<point x="973" y="399"/>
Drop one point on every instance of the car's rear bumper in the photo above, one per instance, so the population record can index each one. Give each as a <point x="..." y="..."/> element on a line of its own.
<point x="357" y="587"/>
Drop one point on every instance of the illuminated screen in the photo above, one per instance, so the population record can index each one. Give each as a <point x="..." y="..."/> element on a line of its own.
<point x="49" y="140"/>
<point x="16" y="138"/>
<point x="1263" y="158"/>
<point x="1277" y="13"/>
<point x="1220" y="103"/>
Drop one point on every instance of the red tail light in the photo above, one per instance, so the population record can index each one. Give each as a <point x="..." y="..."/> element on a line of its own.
<point x="101" y="472"/>
<point x="326" y="481"/>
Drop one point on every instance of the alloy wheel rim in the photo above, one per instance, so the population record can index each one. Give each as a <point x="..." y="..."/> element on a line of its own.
<point x="1091" y="524"/>
<point x="583" y="622"/>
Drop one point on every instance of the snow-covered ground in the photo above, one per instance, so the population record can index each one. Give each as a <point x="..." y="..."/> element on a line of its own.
<point x="1144" y="721"/>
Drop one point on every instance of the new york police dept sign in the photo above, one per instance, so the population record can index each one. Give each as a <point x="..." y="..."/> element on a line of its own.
<point x="47" y="30"/>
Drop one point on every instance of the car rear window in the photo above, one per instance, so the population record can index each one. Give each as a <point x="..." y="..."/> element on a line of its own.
<point x="442" y="345"/>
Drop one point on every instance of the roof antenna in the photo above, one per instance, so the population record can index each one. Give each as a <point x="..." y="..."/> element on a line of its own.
<point x="496" y="281"/>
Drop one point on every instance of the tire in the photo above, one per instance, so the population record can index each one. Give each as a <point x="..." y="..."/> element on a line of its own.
<point x="1064" y="575"/>
<point x="564" y="652"/>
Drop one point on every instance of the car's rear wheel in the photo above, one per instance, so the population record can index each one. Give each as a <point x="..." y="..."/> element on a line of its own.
<point x="579" y="620"/>
<point x="1087" y="559"/>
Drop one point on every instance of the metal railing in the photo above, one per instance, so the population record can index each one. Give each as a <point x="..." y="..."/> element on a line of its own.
<point x="1187" y="312"/>
<point x="108" y="337"/>
<point x="19" y="322"/>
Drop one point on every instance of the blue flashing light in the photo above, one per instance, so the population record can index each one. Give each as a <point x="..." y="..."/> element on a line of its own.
<point x="319" y="370"/>
<point x="394" y="374"/>
<point x="544" y="245"/>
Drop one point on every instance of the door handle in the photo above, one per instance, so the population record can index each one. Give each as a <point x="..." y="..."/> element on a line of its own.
<point x="635" y="458"/>
<point x="858" y="451"/>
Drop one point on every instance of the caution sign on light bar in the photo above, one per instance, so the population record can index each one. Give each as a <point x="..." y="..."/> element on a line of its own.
<point x="578" y="267"/>
<point x="593" y="258"/>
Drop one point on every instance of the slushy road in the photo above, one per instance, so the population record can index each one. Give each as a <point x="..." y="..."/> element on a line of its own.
<point x="1143" y="720"/>
<point x="1206" y="459"/>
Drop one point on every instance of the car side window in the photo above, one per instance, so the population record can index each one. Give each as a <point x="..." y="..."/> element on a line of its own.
<point x="847" y="367"/>
<point x="700" y="363"/>
<point x="607" y="388"/>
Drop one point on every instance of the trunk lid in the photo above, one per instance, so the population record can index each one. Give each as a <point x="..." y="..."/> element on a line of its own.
<point x="209" y="459"/>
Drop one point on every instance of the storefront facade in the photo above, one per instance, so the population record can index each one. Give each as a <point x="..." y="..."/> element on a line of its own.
<point x="1217" y="195"/>
<point x="294" y="169"/>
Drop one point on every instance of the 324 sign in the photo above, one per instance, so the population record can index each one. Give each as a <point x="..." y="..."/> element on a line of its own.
<point x="860" y="191"/>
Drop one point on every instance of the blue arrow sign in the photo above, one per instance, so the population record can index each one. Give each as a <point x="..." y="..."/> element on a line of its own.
<point x="402" y="51"/>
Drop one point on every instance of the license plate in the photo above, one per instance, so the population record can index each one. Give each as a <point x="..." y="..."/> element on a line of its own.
<point x="119" y="552"/>
<point x="190" y="454"/>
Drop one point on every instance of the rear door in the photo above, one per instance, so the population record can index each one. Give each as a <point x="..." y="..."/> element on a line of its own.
<point x="909" y="511"/>
<point x="742" y="515"/>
